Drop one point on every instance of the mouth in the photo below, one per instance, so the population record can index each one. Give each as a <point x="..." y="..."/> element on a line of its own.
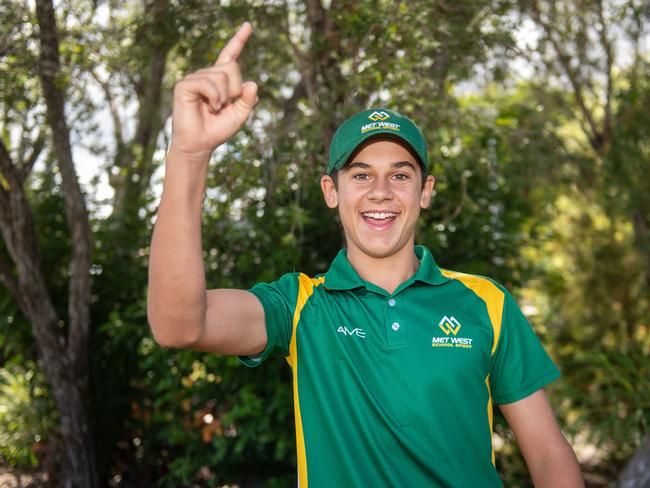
<point x="379" y="220"/>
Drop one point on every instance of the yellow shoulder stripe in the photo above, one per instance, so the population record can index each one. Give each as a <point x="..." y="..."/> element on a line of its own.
<point x="306" y="287"/>
<point x="486" y="291"/>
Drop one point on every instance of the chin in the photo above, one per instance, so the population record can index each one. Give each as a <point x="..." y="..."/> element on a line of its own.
<point x="379" y="250"/>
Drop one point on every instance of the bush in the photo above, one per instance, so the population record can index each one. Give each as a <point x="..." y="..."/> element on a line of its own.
<point x="26" y="415"/>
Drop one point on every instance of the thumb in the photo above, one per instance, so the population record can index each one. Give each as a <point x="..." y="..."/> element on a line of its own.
<point x="248" y="98"/>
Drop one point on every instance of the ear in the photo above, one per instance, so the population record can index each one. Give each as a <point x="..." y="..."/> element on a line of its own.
<point x="329" y="191"/>
<point x="425" y="197"/>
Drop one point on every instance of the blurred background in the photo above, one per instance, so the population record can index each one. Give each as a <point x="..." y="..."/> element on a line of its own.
<point x="536" y="115"/>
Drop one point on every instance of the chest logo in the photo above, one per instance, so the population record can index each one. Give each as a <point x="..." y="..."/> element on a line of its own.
<point x="354" y="332"/>
<point x="450" y="326"/>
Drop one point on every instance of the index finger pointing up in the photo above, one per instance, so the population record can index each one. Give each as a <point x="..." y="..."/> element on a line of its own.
<point x="231" y="51"/>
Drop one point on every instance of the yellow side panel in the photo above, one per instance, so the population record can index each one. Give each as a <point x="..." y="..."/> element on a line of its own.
<point x="305" y="290"/>
<point x="489" y="413"/>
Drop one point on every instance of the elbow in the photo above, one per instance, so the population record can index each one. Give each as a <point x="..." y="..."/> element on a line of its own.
<point x="173" y="332"/>
<point x="165" y="340"/>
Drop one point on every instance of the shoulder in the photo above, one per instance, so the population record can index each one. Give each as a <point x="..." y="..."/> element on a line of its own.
<point x="292" y="285"/>
<point x="480" y="285"/>
<point x="307" y="282"/>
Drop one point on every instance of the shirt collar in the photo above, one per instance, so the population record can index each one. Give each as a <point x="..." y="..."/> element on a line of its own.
<point x="428" y="271"/>
<point x="342" y="276"/>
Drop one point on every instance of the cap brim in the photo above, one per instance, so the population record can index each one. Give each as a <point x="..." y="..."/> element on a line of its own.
<point x="377" y="134"/>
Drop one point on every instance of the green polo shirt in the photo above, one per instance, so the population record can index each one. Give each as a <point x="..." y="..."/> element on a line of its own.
<point x="397" y="389"/>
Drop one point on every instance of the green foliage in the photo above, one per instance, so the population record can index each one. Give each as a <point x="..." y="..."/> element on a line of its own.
<point x="26" y="415"/>
<point x="617" y="406"/>
<point x="596" y="314"/>
<point x="210" y="416"/>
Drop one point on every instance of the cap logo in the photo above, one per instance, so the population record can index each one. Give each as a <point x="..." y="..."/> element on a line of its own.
<point x="375" y="116"/>
<point x="374" y="122"/>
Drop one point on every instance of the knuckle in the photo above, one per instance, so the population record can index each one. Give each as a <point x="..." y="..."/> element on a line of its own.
<point x="235" y="90"/>
<point x="192" y="73"/>
<point x="230" y="68"/>
<point x="179" y="86"/>
<point x="209" y="84"/>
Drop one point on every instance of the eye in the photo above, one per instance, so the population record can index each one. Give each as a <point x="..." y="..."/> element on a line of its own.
<point x="360" y="176"/>
<point x="401" y="177"/>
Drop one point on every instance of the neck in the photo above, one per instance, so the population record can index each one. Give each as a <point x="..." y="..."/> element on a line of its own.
<point x="388" y="272"/>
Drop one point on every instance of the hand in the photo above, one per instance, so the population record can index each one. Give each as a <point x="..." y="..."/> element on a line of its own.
<point x="211" y="104"/>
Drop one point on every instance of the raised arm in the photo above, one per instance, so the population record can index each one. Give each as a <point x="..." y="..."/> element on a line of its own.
<point x="210" y="106"/>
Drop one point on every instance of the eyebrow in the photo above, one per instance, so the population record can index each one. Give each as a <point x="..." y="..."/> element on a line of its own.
<point x="398" y="164"/>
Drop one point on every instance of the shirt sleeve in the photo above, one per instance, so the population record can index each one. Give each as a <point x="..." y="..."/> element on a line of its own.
<point x="279" y="302"/>
<point x="520" y="365"/>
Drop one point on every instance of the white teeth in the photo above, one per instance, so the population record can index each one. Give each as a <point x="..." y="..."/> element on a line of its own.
<point x="379" y="215"/>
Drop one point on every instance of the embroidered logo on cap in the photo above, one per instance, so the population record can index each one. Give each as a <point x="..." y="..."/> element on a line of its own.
<point x="378" y="122"/>
<point x="375" y="116"/>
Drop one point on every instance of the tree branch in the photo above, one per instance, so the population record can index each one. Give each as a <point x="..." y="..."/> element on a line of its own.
<point x="308" y="74"/>
<point x="25" y="167"/>
<point x="75" y="206"/>
<point x="10" y="282"/>
<point x="8" y="167"/>
<point x="110" y="99"/>
<point x="609" y="63"/>
<point x="7" y="183"/>
<point x="137" y="156"/>
<point x="594" y="134"/>
<point x="19" y="235"/>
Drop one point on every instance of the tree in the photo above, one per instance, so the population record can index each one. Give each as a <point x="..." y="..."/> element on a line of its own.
<point x="580" y="50"/>
<point x="591" y="70"/>
<point x="65" y="355"/>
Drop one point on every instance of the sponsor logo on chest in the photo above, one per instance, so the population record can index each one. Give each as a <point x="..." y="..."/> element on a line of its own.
<point x="450" y="326"/>
<point x="358" y="332"/>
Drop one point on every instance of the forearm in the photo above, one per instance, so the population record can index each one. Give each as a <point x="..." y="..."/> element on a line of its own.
<point x="550" y="459"/>
<point x="209" y="107"/>
<point x="558" y="468"/>
<point x="176" y="301"/>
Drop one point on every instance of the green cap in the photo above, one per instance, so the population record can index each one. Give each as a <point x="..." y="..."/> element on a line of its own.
<point x="374" y="122"/>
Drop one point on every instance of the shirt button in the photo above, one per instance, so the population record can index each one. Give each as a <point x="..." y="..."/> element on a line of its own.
<point x="391" y="302"/>
<point x="395" y="326"/>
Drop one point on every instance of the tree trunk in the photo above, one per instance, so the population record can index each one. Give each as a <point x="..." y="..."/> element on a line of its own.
<point x="65" y="359"/>
<point x="642" y="238"/>
<point x="30" y="292"/>
<point x="637" y="472"/>
<point x="135" y="157"/>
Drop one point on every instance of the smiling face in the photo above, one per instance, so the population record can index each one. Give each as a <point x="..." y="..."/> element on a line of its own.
<point x="379" y="194"/>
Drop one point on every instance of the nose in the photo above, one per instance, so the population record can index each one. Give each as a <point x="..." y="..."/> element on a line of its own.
<point x="380" y="190"/>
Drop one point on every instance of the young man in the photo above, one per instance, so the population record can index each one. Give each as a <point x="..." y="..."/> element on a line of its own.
<point x="396" y="362"/>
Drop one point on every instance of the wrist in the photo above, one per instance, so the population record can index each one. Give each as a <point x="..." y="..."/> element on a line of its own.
<point x="185" y="175"/>
<point x="192" y="159"/>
